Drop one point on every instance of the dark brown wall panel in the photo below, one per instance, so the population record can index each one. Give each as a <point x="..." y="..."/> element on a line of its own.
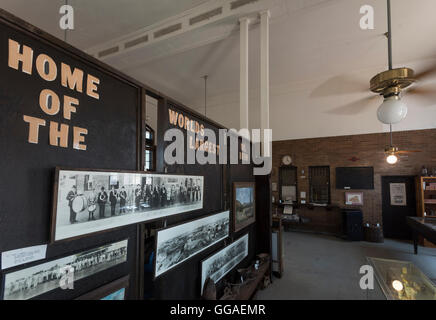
<point x="27" y="170"/>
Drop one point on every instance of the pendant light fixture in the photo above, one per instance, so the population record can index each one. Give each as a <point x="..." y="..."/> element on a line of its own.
<point x="391" y="151"/>
<point x="392" y="110"/>
<point x="205" y="93"/>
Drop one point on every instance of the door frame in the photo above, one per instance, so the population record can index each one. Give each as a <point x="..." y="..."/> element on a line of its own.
<point x="411" y="194"/>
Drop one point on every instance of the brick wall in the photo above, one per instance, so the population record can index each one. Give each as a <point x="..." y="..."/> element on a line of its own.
<point x="369" y="149"/>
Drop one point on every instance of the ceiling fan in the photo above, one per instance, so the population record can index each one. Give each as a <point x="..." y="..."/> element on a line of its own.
<point x="392" y="84"/>
<point x="392" y="152"/>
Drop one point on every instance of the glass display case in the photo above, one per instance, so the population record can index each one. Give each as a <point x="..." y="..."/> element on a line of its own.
<point x="402" y="280"/>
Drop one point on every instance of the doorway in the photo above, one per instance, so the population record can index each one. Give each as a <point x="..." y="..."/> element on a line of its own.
<point x="398" y="202"/>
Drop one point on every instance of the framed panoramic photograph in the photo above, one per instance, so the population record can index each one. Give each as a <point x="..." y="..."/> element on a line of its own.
<point x="30" y="282"/>
<point x="354" y="198"/>
<point x="244" y="205"/>
<point x="116" y="290"/>
<point x="87" y="202"/>
<point x="222" y="262"/>
<point x="177" y="244"/>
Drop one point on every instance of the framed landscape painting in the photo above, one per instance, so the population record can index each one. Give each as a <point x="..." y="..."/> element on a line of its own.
<point x="354" y="198"/>
<point x="177" y="244"/>
<point x="244" y="205"/>
<point x="92" y="201"/>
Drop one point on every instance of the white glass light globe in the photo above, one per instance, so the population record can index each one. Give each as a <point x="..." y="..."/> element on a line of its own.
<point x="392" y="159"/>
<point x="392" y="110"/>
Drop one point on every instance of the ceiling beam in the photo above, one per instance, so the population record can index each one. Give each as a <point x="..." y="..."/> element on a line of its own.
<point x="209" y="22"/>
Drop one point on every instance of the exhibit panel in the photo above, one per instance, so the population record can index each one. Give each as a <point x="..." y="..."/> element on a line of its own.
<point x="64" y="110"/>
<point x="59" y="107"/>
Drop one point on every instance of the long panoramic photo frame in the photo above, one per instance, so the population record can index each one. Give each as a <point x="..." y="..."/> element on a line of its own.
<point x="223" y="261"/>
<point x="179" y="243"/>
<point x="92" y="201"/>
<point x="39" y="279"/>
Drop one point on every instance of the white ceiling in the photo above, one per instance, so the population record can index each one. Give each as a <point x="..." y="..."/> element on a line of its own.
<point x="312" y="41"/>
<point x="97" y="21"/>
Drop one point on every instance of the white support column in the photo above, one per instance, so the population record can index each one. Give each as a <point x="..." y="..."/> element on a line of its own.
<point x="264" y="74"/>
<point x="243" y="107"/>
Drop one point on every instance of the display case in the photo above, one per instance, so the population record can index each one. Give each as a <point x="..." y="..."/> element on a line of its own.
<point x="402" y="280"/>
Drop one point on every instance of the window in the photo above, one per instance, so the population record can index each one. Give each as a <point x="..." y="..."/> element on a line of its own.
<point x="288" y="183"/>
<point x="319" y="185"/>
<point x="150" y="149"/>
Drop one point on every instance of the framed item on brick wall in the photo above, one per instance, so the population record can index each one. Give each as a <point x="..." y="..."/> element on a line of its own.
<point x="354" y="198"/>
<point x="116" y="290"/>
<point x="91" y="201"/>
<point x="244" y="205"/>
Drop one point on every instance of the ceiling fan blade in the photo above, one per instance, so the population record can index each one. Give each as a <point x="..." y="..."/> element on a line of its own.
<point x="426" y="73"/>
<point x="355" y="107"/>
<point x="424" y="95"/>
<point x="430" y="91"/>
<point x="340" y="85"/>
<point x="407" y="151"/>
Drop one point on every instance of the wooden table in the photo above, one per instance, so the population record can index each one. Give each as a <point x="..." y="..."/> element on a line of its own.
<point x="425" y="227"/>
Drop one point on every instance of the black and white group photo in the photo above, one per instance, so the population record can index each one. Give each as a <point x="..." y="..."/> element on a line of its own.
<point x="89" y="202"/>
<point x="34" y="281"/>
<point x="179" y="243"/>
<point x="222" y="262"/>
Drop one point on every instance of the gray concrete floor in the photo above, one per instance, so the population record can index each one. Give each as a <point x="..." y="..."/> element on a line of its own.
<point x="325" y="267"/>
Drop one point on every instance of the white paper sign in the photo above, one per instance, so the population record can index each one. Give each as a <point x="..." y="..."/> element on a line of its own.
<point x="398" y="194"/>
<point x="21" y="256"/>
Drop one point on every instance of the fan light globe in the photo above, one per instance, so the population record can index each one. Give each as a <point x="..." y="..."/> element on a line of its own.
<point x="392" y="159"/>
<point x="397" y="285"/>
<point x="392" y="110"/>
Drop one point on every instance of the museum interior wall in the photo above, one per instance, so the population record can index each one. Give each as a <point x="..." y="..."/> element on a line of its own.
<point x="352" y="151"/>
<point x="96" y="131"/>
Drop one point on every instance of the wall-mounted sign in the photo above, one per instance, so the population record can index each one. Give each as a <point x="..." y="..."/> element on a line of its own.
<point x="398" y="194"/>
<point x="39" y="65"/>
<point x="197" y="140"/>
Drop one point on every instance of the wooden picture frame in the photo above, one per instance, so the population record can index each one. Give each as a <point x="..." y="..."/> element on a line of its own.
<point x="108" y="290"/>
<point x="354" y="198"/>
<point x="170" y="235"/>
<point x="61" y="230"/>
<point x="239" y="224"/>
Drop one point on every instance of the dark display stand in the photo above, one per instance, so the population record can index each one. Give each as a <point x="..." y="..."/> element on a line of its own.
<point x="352" y="224"/>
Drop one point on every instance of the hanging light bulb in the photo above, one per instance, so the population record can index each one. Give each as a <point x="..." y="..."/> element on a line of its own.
<point x="392" y="110"/>
<point x="391" y="153"/>
<point x="392" y="159"/>
<point x="397" y="285"/>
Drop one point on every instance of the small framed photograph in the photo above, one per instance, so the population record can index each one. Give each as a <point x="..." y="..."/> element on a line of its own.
<point x="244" y="205"/>
<point x="116" y="290"/>
<point x="354" y="198"/>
